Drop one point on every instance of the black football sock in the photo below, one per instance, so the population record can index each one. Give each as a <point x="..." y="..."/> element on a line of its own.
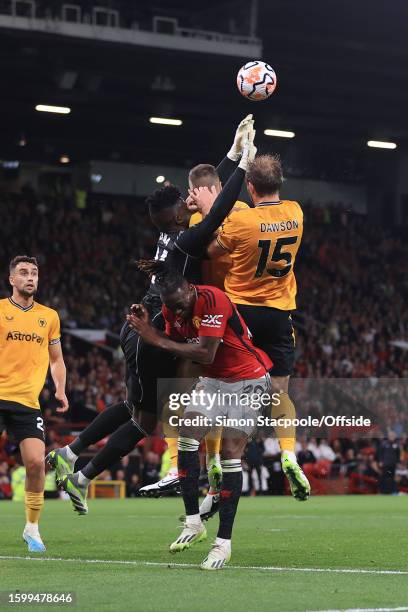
<point x="189" y="473"/>
<point x="229" y="495"/>
<point x="104" y="424"/>
<point x="119" y="444"/>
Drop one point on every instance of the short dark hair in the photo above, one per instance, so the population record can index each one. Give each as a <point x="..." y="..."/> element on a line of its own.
<point x="22" y="259"/>
<point x="265" y="173"/>
<point x="203" y="175"/>
<point x="166" y="197"/>
<point x="167" y="279"/>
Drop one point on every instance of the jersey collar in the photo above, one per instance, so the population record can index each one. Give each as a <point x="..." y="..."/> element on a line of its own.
<point x="21" y="307"/>
<point x="273" y="202"/>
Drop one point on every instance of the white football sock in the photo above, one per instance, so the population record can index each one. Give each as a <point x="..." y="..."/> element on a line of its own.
<point x="290" y="455"/>
<point x="83" y="480"/>
<point x="222" y="542"/>
<point x="193" y="520"/>
<point x="71" y="456"/>
<point x="31" y="528"/>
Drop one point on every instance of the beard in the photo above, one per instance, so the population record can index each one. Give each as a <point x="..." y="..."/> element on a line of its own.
<point x="26" y="293"/>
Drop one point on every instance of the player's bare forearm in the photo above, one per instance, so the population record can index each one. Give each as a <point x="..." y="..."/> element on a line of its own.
<point x="202" y="352"/>
<point x="196" y="352"/>
<point x="59" y="376"/>
<point x="57" y="367"/>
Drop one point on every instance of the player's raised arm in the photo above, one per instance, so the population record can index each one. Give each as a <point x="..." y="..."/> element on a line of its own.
<point x="227" y="166"/>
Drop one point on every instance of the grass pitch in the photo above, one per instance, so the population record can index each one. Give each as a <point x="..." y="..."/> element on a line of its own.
<point x="330" y="553"/>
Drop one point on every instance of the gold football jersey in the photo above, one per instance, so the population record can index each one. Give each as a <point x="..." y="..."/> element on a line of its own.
<point x="25" y="335"/>
<point x="263" y="243"/>
<point x="214" y="271"/>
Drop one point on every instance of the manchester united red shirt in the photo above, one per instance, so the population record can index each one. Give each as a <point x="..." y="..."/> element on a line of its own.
<point x="215" y="316"/>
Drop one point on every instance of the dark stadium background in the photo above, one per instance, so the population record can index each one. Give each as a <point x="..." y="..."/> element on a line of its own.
<point x="342" y="80"/>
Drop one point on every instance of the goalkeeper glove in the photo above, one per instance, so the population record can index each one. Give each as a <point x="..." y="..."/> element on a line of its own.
<point x="249" y="151"/>
<point x="240" y="135"/>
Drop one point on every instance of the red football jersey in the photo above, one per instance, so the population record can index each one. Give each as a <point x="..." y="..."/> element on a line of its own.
<point x="214" y="315"/>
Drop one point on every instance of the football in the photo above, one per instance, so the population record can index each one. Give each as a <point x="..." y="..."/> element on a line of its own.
<point x="256" y="80"/>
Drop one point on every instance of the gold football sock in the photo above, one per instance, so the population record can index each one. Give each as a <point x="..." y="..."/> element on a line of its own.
<point x="172" y="446"/>
<point x="286" y="434"/>
<point x="33" y="505"/>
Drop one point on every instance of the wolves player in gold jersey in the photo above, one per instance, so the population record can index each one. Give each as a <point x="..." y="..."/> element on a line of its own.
<point x="205" y="175"/>
<point x="29" y="343"/>
<point x="262" y="243"/>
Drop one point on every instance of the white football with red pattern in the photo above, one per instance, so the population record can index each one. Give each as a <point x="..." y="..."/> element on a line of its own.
<point x="256" y="80"/>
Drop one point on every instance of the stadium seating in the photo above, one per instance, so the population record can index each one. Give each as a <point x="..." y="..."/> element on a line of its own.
<point x="348" y="314"/>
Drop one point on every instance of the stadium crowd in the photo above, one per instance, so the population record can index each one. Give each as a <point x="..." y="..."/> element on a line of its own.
<point x="352" y="279"/>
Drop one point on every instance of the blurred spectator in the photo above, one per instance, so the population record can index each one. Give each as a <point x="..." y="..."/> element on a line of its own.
<point x="271" y="447"/>
<point x="324" y="451"/>
<point x="50" y="487"/>
<point x="305" y="455"/>
<point x="370" y="467"/>
<point x="350" y="461"/>
<point x="253" y="457"/>
<point x="5" y="485"/>
<point x="18" y="476"/>
<point x="271" y="460"/>
<point x="133" y="486"/>
<point x="388" y="458"/>
<point x="364" y="478"/>
<point x="401" y="476"/>
<point x="312" y="446"/>
<point x="151" y="469"/>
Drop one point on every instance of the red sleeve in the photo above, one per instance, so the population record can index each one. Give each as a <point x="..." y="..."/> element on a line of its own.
<point x="169" y="329"/>
<point x="215" y="310"/>
<point x="166" y="315"/>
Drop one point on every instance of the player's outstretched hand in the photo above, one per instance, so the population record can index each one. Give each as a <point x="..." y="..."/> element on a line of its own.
<point x="249" y="150"/>
<point x="240" y="137"/>
<point x="62" y="398"/>
<point x="139" y="311"/>
<point x="203" y="198"/>
<point x="139" y="320"/>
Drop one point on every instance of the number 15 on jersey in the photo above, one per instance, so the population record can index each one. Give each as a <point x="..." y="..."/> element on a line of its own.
<point x="281" y="256"/>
